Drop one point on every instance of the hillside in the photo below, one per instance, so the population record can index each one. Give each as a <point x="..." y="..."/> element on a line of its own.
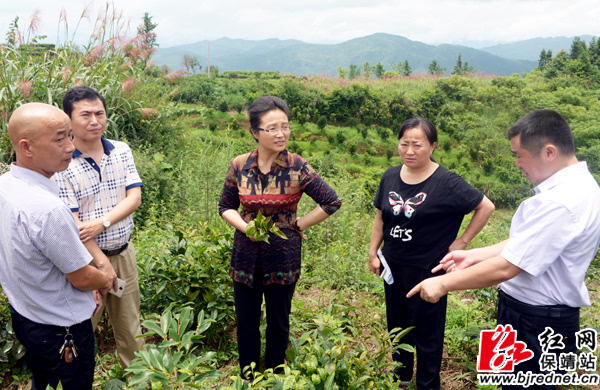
<point x="530" y="49"/>
<point x="302" y="58"/>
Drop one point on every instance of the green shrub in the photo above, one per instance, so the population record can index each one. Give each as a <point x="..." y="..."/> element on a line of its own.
<point x="223" y="106"/>
<point x="173" y="363"/>
<point x="340" y="137"/>
<point x="321" y="123"/>
<point x="187" y="266"/>
<point x="352" y="148"/>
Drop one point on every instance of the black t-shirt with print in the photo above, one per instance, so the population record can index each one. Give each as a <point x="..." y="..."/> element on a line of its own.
<point x="420" y="221"/>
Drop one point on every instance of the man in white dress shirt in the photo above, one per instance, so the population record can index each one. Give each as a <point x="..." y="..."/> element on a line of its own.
<point x="554" y="236"/>
<point x="44" y="267"/>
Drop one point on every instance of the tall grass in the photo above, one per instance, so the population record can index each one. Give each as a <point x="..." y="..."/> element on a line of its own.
<point x="111" y="63"/>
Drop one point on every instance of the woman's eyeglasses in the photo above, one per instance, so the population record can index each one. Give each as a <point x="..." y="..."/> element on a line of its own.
<point x="274" y="129"/>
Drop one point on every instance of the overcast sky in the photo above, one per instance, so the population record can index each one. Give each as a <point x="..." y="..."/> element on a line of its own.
<point x="324" y="21"/>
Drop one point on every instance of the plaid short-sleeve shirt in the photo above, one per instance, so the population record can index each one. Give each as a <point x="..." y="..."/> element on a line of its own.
<point x="94" y="190"/>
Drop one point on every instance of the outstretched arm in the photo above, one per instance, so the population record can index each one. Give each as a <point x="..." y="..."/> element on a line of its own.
<point x="458" y="260"/>
<point x="484" y="274"/>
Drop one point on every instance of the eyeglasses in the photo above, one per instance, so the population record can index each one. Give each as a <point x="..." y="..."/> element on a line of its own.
<point x="285" y="129"/>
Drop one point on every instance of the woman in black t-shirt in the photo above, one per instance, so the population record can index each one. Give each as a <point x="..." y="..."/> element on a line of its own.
<point x="420" y="207"/>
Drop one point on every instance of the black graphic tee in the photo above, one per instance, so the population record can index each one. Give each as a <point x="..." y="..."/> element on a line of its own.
<point x="420" y="221"/>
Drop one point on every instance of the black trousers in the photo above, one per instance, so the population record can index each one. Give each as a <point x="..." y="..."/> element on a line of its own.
<point x="429" y="320"/>
<point x="43" y="343"/>
<point x="248" y="302"/>
<point x="564" y="321"/>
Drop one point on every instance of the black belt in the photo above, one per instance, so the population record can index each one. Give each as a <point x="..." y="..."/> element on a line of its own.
<point x="548" y="311"/>
<point x="114" y="252"/>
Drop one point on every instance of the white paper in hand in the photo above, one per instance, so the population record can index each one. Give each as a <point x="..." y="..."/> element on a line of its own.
<point x="386" y="274"/>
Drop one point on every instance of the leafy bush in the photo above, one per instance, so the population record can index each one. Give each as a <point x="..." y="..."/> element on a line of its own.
<point x="179" y="266"/>
<point x="323" y="359"/>
<point x="173" y="362"/>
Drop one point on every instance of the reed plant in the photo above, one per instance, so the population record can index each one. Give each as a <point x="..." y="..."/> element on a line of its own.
<point x="111" y="62"/>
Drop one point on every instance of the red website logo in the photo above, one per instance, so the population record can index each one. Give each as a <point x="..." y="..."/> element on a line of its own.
<point x="499" y="350"/>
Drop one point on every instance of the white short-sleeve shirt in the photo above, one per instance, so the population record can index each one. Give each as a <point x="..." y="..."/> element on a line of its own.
<point x="39" y="244"/>
<point x="554" y="236"/>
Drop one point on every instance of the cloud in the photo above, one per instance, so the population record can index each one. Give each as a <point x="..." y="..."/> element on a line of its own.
<point x="326" y="21"/>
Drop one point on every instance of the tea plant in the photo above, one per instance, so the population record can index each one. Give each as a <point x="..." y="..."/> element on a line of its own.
<point x="173" y="362"/>
<point x="179" y="266"/>
<point x="260" y="227"/>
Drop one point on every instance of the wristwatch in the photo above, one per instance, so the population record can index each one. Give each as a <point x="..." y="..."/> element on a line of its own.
<point x="105" y="222"/>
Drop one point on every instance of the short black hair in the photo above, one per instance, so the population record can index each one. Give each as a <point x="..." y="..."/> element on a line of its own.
<point x="420" y="123"/>
<point x="544" y="126"/>
<point x="263" y="105"/>
<point x="76" y="94"/>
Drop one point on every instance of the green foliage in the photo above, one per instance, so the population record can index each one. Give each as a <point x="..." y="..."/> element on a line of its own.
<point x="223" y="106"/>
<point x="378" y="70"/>
<point x="11" y="350"/>
<point x="179" y="266"/>
<point x="340" y="137"/>
<point x="389" y="154"/>
<point x="260" y="227"/>
<point x="461" y="68"/>
<point x="146" y="30"/>
<point x="581" y="62"/>
<point x="321" y="123"/>
<point x="109" y="69"/>
<point x="332" y="354"/>
<point x="173" y="362"/>
<point x="352" y="148"/>
<point x="435" y="68"/>
<point x="353" y="72"/>
<point x="115" y="384"/>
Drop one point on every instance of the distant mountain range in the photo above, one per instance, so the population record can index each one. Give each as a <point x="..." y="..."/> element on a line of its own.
<point x="530" y="49"/>
<point x="297" y="57"/>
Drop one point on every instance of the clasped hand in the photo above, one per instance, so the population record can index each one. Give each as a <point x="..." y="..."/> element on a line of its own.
<point x="90" y="229"/>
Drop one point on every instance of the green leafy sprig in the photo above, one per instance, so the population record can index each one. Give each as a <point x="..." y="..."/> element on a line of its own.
<point x="261" y="227"/>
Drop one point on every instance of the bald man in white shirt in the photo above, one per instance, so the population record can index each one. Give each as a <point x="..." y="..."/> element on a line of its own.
<point x="44" y="267"/>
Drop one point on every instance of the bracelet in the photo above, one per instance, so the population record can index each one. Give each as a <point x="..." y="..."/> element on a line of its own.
<point x="296" y="227"/>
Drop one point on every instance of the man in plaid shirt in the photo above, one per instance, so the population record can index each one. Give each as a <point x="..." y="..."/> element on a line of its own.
<point x="103" y="189"/>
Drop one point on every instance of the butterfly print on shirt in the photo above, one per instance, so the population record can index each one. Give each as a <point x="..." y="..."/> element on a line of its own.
<point x="408" y="206"/>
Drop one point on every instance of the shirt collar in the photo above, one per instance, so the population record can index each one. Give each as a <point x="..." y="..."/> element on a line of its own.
<point x="106" y="144"/>
<point x="252" y="160"/>
<point x="33" y="177"/>
<point x="570" y="171"/>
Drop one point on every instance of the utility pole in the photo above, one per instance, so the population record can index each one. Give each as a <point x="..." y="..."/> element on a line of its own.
<point x="209" y="60"/>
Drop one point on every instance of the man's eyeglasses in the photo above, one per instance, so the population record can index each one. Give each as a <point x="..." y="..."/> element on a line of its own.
<point x="274" y="129"/>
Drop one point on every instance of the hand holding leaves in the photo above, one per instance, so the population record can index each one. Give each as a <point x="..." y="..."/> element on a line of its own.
<point x="260" y="228"/>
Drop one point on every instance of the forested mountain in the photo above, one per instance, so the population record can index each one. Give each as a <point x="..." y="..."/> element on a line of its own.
<point x="530" y="49"/>
<point x="291" y="56"/>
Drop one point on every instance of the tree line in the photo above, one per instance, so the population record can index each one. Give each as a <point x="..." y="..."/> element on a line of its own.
<point x="400" y="68"/>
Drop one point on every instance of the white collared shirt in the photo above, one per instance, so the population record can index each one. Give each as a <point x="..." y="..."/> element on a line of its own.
<point x="39" y="244"/>
<point x="554" y="236"/>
